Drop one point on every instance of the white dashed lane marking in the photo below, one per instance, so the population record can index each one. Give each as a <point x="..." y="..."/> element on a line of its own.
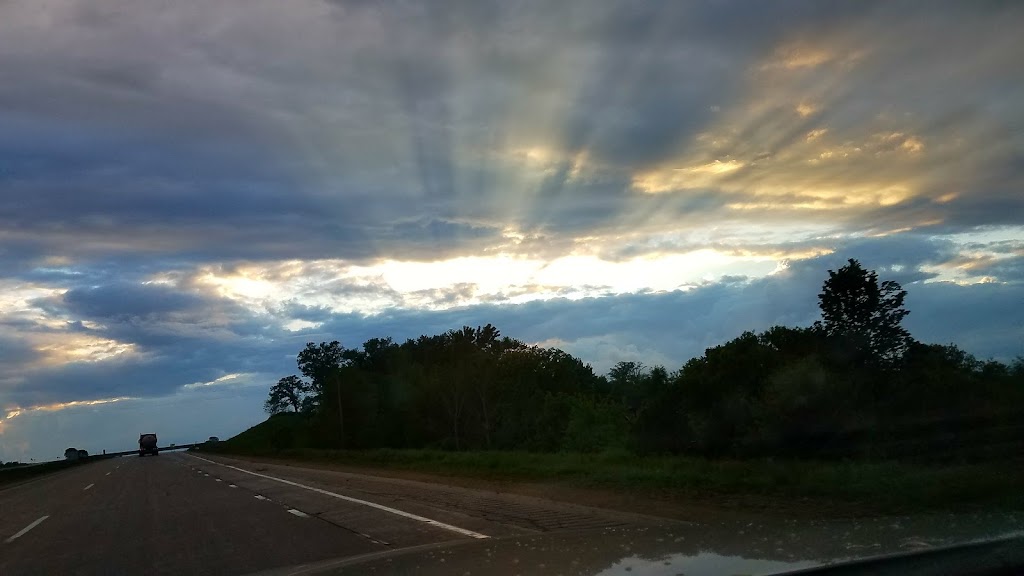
<point x="25" y="530"/>
<point x="372" y="539"/>
<point x="87" y="487"/>
<point x="298" y="513"/>
<point x="388" y="509"/>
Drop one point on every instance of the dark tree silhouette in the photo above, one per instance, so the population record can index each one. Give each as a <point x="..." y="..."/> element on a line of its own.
<point x="831" y="391"/>
<point x="322" y="364"/>
<point x="319" y="362"/>
<point x="289" y="392"/>
<point x="855" y="307"/>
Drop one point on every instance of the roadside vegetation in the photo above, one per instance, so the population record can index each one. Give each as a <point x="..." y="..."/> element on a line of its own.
<point x="850" y="486"/>
<point x="852" y="407"/>
<point x="13" y="472"/>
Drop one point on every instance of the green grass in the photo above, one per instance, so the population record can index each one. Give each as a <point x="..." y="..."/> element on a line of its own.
<point x="15" y="474"/>
<point x="872" y="486"/>
<point x="885" y="486"/>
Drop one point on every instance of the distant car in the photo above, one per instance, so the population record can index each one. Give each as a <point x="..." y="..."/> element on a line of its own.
<point x="173" y="445"/>
<point x="213" y="439"/>
<point x="147" y="445"/>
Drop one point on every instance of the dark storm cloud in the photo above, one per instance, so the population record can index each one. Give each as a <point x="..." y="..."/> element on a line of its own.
<point x="604" y="200"/>
<point x="162" y="371"/>
<point x="898" y="258"/>
<point x="985" y="319"/>
<point x="177" y="337"/>
<point x="126" y="300"/>
<point x="435" y="233"/>
<point x="12" y="348"/>
<point x="344" y="122"/>
<point x="662" y="68"/>
<point x="1007" y="270"/>
<point x="103" y="271"/>
<point x="123" y="302"/>
<point x="299" y="311"/>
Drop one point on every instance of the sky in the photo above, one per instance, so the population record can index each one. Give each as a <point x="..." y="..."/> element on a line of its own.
<point x="191" y="191"/>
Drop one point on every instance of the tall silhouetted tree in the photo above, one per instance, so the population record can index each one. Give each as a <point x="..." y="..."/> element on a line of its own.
<point x="322" y="365"/>
<point x="854" y="306"/>
<point x="319" y="362"/>
<point x="289" y="392"/>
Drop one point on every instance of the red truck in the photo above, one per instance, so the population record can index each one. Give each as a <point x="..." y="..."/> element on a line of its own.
<point x="147" y="445"/>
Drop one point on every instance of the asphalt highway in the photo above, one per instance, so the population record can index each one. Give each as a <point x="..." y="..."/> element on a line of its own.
<point x="181" y="513"/>
<point x="154" y="515"/>
<point x="191" y="513"/>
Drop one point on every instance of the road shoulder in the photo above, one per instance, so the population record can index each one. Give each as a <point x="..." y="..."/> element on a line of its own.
<point x="495" y="509"/>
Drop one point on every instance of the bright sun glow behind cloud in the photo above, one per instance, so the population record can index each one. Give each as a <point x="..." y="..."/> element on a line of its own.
<point x="13" y="412"/>
<point x="471" y="280"/>
<point x="82" y="348"/>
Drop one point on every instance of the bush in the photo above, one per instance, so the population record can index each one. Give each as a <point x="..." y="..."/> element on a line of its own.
<point x="595" y="425"/>
<point x="800" y="411"/>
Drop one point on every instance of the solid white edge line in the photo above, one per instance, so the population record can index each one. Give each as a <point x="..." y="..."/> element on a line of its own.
<point x="462" y="531"/>
<point x="87" y="487"/>
<point x="298" y="513"/>
<point x="26" y="529"/>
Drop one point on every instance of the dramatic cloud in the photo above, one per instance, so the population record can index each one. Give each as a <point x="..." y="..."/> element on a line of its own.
<point x="190" y="191"/>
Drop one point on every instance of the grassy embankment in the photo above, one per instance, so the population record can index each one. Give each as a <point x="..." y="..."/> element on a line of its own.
<point x="11" y="475"/>
<point x="15" y="474"/>
<point x="875" y="486"/>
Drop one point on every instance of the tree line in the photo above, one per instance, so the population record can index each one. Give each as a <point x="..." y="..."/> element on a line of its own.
<point x="854" y="384"/>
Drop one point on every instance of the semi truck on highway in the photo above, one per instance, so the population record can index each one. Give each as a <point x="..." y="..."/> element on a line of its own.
<point x="147" y="445"/>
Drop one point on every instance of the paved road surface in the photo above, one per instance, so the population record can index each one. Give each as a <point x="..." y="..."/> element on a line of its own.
<point x="179" y="514"/>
